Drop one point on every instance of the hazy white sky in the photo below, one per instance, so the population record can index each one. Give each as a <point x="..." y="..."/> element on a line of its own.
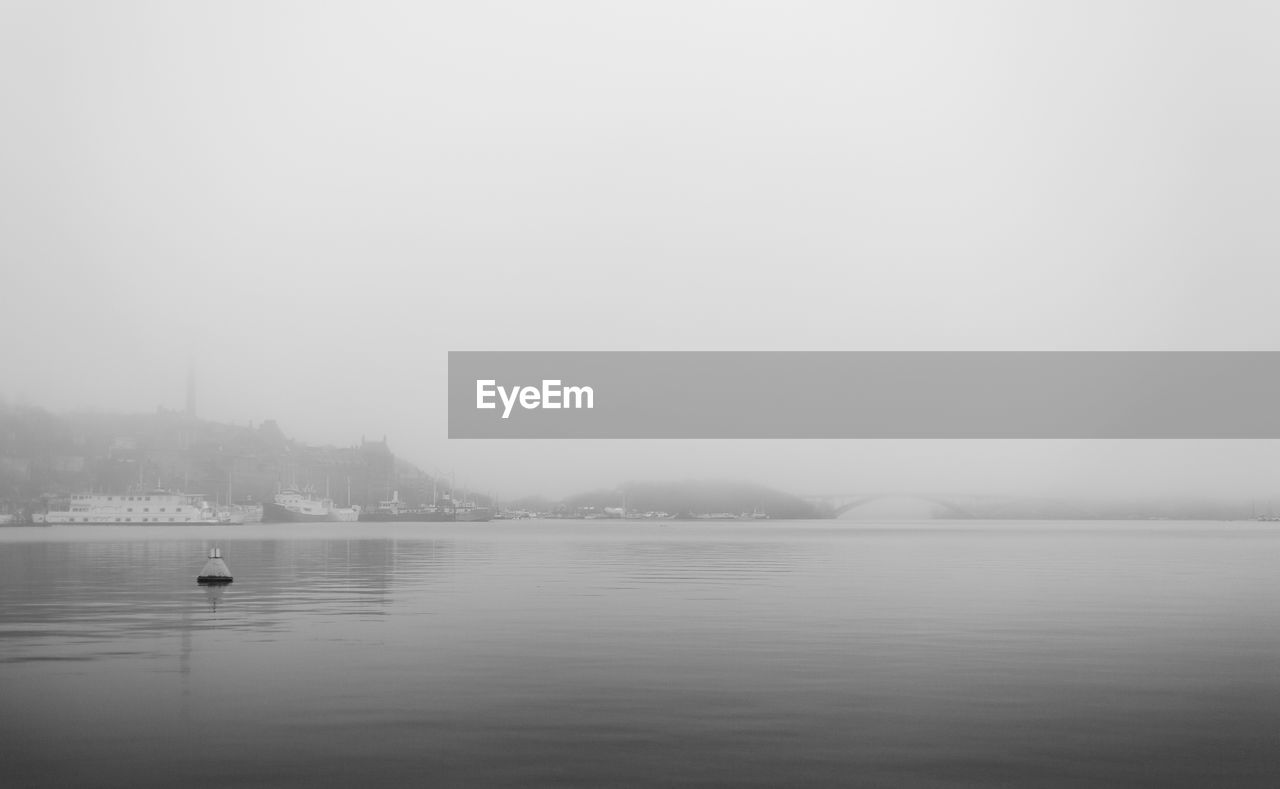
<point x="316" y="201"/>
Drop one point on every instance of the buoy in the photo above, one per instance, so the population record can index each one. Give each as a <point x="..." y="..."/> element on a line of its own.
<point x="215" y="570"/>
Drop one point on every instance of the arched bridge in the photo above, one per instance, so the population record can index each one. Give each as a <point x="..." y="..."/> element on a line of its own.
<point x="957" y="505"/>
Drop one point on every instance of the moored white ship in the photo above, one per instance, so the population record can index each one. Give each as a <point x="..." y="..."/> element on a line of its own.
<point x="153" y="507"/>
<point x="295" y="506"/>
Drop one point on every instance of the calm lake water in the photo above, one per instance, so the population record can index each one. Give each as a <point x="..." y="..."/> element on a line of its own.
<point x="576" y="654"/>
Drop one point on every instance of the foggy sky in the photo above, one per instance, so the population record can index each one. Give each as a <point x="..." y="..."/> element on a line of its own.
<point x="312" y="203"/>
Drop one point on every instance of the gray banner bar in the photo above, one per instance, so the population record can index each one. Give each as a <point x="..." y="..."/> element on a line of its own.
<point x="865" y="394"/>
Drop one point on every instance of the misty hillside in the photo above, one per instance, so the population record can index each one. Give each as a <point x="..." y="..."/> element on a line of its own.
<point x="44" y="455"/>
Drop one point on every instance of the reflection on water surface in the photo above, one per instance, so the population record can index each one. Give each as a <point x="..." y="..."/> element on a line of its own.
<point x="529" y="653"/>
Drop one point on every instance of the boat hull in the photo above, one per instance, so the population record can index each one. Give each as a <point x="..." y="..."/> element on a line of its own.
<point x="406" y="517"/>
<point x="275" y="513"/>
<point x="51" y="521"/>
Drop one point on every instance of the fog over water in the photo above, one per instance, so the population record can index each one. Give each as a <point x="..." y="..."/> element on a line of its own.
<point x="312" y="204"/>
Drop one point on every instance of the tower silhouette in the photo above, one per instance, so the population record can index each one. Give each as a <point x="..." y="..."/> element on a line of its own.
<point x="191" y="392"/>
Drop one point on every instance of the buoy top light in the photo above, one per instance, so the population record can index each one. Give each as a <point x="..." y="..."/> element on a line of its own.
<point x="215" y="570"/>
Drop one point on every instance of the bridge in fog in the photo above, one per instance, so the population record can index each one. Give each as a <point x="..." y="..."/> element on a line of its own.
<point x="950" y="505"/>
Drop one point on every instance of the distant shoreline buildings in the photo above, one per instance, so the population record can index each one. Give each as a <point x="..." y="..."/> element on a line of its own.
<point x="46" y="458"/>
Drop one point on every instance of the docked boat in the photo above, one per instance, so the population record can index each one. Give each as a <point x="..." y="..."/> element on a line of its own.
<point x="394" y="509"/>
<point x="162" y="507"/>
<point x="295" y="506"/>
<point x="469" y="511"/>
<point x="240" y="513"/>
